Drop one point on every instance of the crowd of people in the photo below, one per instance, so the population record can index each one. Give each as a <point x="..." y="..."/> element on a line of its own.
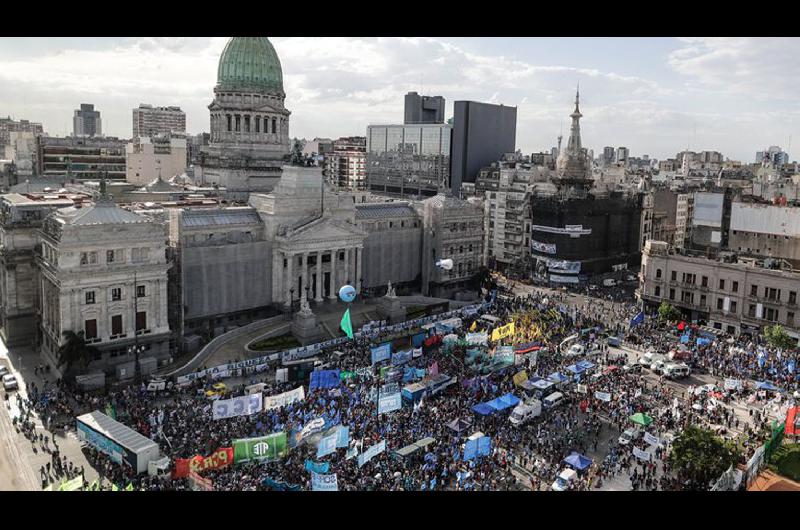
<point x="180" y="418"/>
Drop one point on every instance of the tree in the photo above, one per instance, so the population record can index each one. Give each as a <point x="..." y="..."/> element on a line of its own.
<point x="668" y="312"/>
<point x="298" y="158"/>
<point x="75" y="354"/>
<point x="700" y="457"/>
<point x="778" y="338"/>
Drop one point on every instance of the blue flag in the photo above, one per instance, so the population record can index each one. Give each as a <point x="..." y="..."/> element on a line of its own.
<point x="638" y="319"/>
<point x="791" y="366"/>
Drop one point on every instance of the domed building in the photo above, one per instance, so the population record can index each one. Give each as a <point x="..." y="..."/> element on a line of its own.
<point x="249" y="122"/>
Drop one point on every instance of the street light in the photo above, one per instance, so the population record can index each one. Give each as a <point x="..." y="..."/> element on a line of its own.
<point x="136" y="349"/>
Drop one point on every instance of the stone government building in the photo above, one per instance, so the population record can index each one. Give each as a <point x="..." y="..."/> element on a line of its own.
<point x="150" y="277"/>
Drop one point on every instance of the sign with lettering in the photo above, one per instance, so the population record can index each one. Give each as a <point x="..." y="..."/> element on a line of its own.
<point x="265" y="448"/>
<point x="220" y="458"/>
<point x="238" y="406"/>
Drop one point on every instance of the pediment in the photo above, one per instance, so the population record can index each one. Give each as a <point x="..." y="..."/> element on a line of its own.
<point x="325" y="229"/>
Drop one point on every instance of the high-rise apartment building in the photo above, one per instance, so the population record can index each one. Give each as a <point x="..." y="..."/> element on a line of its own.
<point x="154" y="121"/>
<point x="423" y="109"/>
<point x="345" y="167"/>
<point x="622" y="155"/>
<point x="147" y="159"/>
<point x="7" y="126"/>
<point x="81" y="158"/>
<point x="87" y="121"/>
<point x="608" y="155"/>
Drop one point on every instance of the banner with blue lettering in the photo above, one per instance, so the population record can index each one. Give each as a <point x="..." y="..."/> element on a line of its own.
<point x="389" y="403"/>
<point x="381" y="352"/>
<point x="317" y="467"/>
<point x="327" y="445"/>
<point x="401" y="357"/>
<point x="638" y="319"/>
<point x="685" y="338"/>
<point x="701" y="341"/>
<point x="372" y="452"/>
<point x="417" y="340"/>
<point x="790" y="366"/>
<point x="324" y="379"/>
<point x="484" y="446"/>
<point x="324" y="482"/>
<point x="470" y="450"/>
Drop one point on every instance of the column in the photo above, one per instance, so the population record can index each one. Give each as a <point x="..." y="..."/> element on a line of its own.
<point x="320" y="278"/>
<point x="334" y="284"/>
<point x="288" y="282"/>
<point x="304" y="272"/>
<point x="348" y="266"/>
<point x="358" y="252"/>
<point x="278" y="289"/>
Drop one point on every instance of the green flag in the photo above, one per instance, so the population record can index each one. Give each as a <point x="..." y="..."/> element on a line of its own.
<point x="129" y="487"/>
<point x="114" y="487"/>
<point x="267" y="448"/>
<point x="346" y="326"/>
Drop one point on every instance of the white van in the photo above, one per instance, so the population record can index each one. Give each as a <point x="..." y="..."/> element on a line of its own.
<point x="564" y="479"/>
<point x="648" y="358"/>
<point x="553" y="400"/>
<point x="677" y="370"/>
<point x="524" y="412"/>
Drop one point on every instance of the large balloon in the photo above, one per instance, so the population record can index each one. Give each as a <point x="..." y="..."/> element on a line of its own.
<point x="347" y="293"/>
<point x="445" y="264"/>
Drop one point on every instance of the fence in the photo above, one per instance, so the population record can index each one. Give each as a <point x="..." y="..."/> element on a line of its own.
<point x="754" y="465"/>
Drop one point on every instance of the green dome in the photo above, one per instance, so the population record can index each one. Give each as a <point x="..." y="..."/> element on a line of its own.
<point x="249" y="63"/>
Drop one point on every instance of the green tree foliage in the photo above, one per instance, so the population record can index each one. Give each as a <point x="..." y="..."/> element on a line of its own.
<point x="668" y="312"/>
<point x="699" y="457"/>
<point x="75" y="354"/>
<point x="778" y="338"/>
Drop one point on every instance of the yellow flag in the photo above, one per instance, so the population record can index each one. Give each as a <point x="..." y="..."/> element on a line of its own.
<point x="520" y="377"/>
<point x="474" y="326"/>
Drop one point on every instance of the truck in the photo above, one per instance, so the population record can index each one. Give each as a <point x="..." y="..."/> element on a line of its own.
<point x="609" y="282"/>
<point x="525" y="412"/>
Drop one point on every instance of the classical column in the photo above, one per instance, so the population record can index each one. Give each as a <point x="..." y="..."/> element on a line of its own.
<point x="348" y="264"/>
<point x="288" y="283"/>
<point x="333" y="282"/>
<point x="304" y="272"/>
<point x="320" y="278"/>
<point x="278" y="288"/>
<point x="357" y="278"/>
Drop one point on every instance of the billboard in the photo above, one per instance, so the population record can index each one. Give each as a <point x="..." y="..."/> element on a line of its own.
<point x="708" y="209"/>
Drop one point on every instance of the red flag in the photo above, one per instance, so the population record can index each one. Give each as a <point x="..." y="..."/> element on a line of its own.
<point x="681" y="326"/>
<point x="434" y="369"/>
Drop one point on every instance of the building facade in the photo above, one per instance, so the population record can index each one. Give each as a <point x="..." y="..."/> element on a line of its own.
<point x="8" y="126"/>
<point x="423" y="109"/>
<point x="87" y="121"/>
<point x="345" y="166"/>
<point x="103" y="271"/>
<point x="249" y="122"/>
<point x="408" y="160"/>
<point x="482" y="133"/>
<point x="81" y="158"/>
<point x="765" y="230"/>
<point x="731" y="294"/>
<point x="147" y="159"/>
<point x="151" y="121"/>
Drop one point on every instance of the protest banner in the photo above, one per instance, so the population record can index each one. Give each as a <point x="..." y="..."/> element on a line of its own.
<point x="641" y="455"/>
<point x="401" y="357"/>
<point x="265" y="448"/>
<point x="519" y="377"/>
<point x="317" y="467"/>
<point x="381" y="352"/>
<point x="733" y="384"/>
<point x="650" y="439"/>
<point x="324" y="482"/>
<point x="238" y="406"/>
<point x="602" y="396"/>
<point x="371" y="453"/>
<point x="505" y="354"/>
<point x="342" y="437"/>
<point x="477" y="339"/>
<point x="284" y="399"/>
<point x="582" y="389"/>
<point x="220" y="458"/>
<point x="389" y="403"/>
<point x="503" y="331"/>
<point x="324" y="379"/>
<point x="327" y="445"/>
<point x="198" y="483"/>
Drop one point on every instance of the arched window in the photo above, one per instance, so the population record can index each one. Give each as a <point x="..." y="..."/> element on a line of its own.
<point x="229" y="122"/>
<point x="247" y="123"/>
<point x="258" y="123"/>
<point x="238" y="123"/>
<point x="274" y="125"/>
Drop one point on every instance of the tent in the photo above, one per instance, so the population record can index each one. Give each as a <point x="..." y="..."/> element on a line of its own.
<point x="483" y="409"/>
<point x="766" y="385"/>
<point x="542" y="384"/>
<point x="557" y="377"/>
<point x="586" y="365"/>
<point x="575" y="369"/>
<point x="578" y="461"/>
<point x="641" y="419"/>
<point x="459" y="424"/>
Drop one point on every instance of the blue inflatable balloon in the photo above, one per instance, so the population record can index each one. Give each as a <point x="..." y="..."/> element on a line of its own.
<point x="347" y="293"/>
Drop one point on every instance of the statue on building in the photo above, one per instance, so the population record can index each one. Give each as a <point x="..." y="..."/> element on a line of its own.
<point x="305" y="309"/>
<point x="390" y="291"/>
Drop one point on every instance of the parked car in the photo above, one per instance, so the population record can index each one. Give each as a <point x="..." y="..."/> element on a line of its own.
<point x="3" y="370"/>
<point x="658" y="366"/>
<point x="10" y="382"/>
<point x="677" y="370"/>
<point x="633" y="368"/>
<point x="524" y="412"/>
<point x="629" y="435"/>
<point x="564" y="480"/>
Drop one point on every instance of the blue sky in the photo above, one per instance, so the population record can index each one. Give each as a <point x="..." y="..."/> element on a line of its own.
<point x="649" y="94"/>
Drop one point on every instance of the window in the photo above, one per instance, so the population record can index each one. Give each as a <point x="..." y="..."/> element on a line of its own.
<point x="247" y="123"/>
<point x="238" y="123"/>
<point x="672" y="294"/>
<point x="141" y="320"/>
<point x="704" y="281"/>
<point x="751" y="311"/>
<point x="116" y="294"/>
<point x="754" y="290"/>
<point x="790" y="318"/>
<point x="140" y="291"/>
<point x="719" y="303"/>
<point x="735" y="287"/>
<point x="274" y="125"/>
<point x="658" y="291"/>
<point x="771" y="314"/>
<point x="658" y="273"/>
<point x="116" y="325"/>
<point x="109" y="256"/>
<point x="89" y="297"/>
<point x="792" y="297"/>
<point x="258" y="124"/>
<point x="88" y="258"/>
<point x="703" y="300"/>
<point x="721" y="284"/>
<point x="733" y="306"/>
<point x="229" y="122"/>
<point x="674" y="276"/>
<point x="90" y="329"/>
<point x="139" y="255"/>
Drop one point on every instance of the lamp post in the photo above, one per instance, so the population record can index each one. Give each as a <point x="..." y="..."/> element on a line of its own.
<point x="136" y="348"/>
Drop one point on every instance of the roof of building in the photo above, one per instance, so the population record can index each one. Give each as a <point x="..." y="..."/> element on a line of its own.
<point x="120" y="433"/>
<point x="765" y="219"/>
<point x="250" y="63"/>
<point x="159" y="185"/>
<point x="237" y="215"/>
<point x="102" y="212"/>
<point x="449" y="202"/>
<point x="384" y="209"/>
